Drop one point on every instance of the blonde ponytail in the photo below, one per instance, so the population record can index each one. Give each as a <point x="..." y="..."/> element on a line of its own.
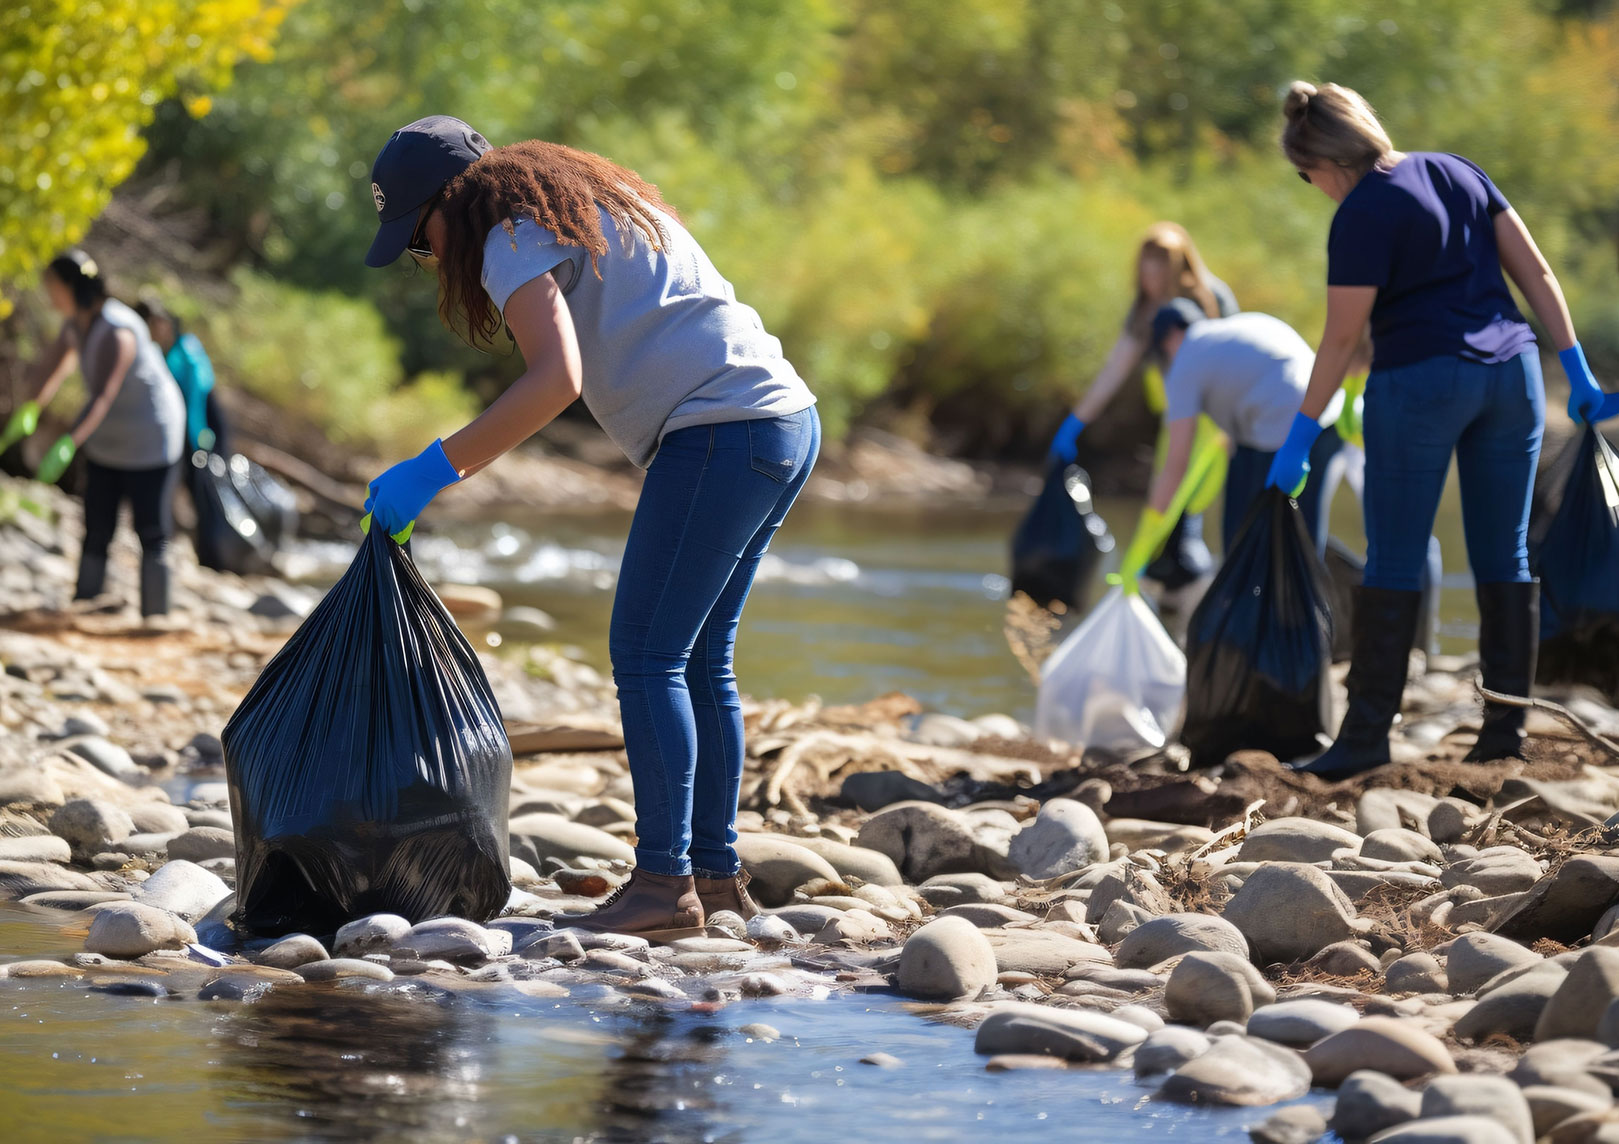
<point x="1332" y="124"/>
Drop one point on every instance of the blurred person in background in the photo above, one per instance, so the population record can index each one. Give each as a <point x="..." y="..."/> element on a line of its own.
<point x="609" y="298"/>
<point x="131" y="429"/>
<point x="1167" y="266"/>
<point x="1418" y="247"/>
<point x="188" y="362"/>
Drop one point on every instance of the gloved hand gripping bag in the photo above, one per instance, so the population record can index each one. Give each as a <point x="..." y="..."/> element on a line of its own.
<point x="369" y="770"/>
<point x="1260" y="643"/>
<point x="1574" y="549"/>
<point x="1058" y="544"/>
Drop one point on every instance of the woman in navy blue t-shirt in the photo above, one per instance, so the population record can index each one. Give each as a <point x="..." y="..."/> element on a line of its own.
<point x="1418" y="247"/>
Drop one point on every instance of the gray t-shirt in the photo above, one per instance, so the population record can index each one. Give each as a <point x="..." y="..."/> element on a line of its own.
<point x="663" y="342"/>
<point x="145" y="426"/>
<point x="1248" y="372"/>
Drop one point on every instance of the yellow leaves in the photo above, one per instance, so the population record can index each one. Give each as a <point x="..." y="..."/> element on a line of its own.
<point x="79" y="81"/>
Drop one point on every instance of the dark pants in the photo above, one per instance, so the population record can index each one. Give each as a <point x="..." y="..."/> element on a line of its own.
<point x="713" y="498"/>
<point x="1245" y="480"/>
<point x="150" y="493"/>
<point x="1491" y="417"/>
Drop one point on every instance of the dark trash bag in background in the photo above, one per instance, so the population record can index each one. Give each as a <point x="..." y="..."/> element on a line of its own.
<point x="1260" y="644"/>
<point x="1574" y="549"/>
<point x="244" y="514"/>
<point x="1348" y="571"/>
<point x="369" y="769"/>
<point x="1059" y="543"/>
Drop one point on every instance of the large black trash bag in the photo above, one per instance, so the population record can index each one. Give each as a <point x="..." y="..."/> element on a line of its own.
<point x="1574" y="549"/>
<point x="244" y="515"/>
<point x="1058" y="545"/>
<point x="369" y="769"/>
<point x="1260" y="643"/>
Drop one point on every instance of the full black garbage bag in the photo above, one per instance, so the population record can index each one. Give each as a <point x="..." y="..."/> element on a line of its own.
<point x="1058" y="545"/>
<point x="244" y="515"/>
<point x="1260" y="643"/>
<point x="369" y="770"/>
<point x="1574" y="549"/>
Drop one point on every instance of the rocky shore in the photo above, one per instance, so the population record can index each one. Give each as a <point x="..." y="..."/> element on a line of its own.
<point x="1436" y="943"/>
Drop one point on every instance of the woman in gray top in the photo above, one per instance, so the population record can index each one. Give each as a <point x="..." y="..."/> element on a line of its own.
<point x="131" y="429"/>
<point x="609" y="298"/>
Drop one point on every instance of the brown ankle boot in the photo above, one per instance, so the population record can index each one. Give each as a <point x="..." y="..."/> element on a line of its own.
<point x="657" y="907"/>
<point x="728" y="894"/>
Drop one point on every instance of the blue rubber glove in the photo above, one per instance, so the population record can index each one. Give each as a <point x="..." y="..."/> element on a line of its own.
<point x="399" y="495"/>
<point x="1610" y="408"/>
<point x="1065" y="445"/>
<point x="1291" y="466"/>
<point x="1584" y="394"/>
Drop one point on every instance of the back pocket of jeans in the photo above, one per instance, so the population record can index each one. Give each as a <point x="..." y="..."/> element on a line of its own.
<point x="775" y="446"/>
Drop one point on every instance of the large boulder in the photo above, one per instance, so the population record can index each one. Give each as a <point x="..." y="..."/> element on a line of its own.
<point x="947" y="959"/>
<point x="924" y="840"/>
<point x="1290" y="912"/>
<point x="1242" y="1071"/>
<point x="1065" y="836"/>
<point x="779" y="866"/>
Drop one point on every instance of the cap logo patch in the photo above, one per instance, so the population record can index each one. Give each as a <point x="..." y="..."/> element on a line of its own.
<point x="377" y="196"/>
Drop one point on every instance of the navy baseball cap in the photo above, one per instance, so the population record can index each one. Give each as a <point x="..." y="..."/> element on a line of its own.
<point x="411" y="168"/>
<point x="1176" y="314"/>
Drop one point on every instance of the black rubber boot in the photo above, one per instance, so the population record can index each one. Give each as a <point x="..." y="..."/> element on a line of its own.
<point x="154" y="588"/>
<point x="1508" y="640"/>
<point x="92" y="577"/>
<point x="1385" y="626"/>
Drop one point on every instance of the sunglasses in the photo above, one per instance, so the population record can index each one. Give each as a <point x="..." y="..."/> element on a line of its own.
<point x="1305" y="175"/>
<point x="418" y="246"/>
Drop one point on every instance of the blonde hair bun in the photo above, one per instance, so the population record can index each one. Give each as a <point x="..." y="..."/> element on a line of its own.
<point x="1298" y="99"/>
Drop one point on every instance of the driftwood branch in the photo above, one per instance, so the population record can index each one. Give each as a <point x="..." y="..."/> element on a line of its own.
<point x="1590" y="734"/>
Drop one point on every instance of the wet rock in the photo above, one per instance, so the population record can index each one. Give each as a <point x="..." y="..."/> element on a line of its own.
<point x="24" y="879"/>
<point x="130" y="987"/>
<point x="455" y="940"/>
<point x="1065" y="836"/>
<point x="779" y="866"/>
<point x="1163" y="938"/>
<point x="854" y="927"/>
<point x="923" y="840"/>
<point x="106" y="756"/>
<point x="1497" y="870"/>
<point x="1370" y="1102"/>
<point x="539" y="836"/>
<point x="874" y="790"/>
<point x="1297" y="840"/>
<point x="1290" y="912"/>
<point x="74" y="899"/>
<point x="1400" y="846"/>
<point x="771" y="928"/>
<point x="1513" y="1009"/>
<point x="1241" y="1071"/>
<point x="91" y="825"/>
<point x="1300" y="1023"/>
<point x="882" y="1060"/>
<point x="1023" y="1062"/>
<point x="39" y="967"/>
<point x="854" y="861"/>
<point x="201" y="843"/>
<point x="1042" y="952"/>
<point x="1300" y="1124"/>
<point x="373" y="933"/>
<point x="1576" y="1008"/>
<point x="158" y="818"/>
<point x="949" y="958"/>
<point x="1072" y="1034"/>
<point x="1389" y="1045"/>
<point x="1345" y="959"/>
<point x="291" y="952"/>
<point x="1168" y="1049"/>
<point x="1492" y="1097"/>
<point x="807" y="917"/>
<point x="1447" y="1130"/>
<point x="341" y="967"/>
<point x="35" y="848"/>
<point x="182" y="888"/>
<point x="130" y="929"/>
<point x="1550" y="1105"/>
<point x="1565" y="905"/>
<point x="1474" y="958"/>
<point x="1418" y="972"/>
<point x="1208" y="987"/>
<point x="563" y="945"/>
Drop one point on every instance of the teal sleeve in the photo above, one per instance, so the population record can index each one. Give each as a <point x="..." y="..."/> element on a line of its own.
<point x="189" y="363"/>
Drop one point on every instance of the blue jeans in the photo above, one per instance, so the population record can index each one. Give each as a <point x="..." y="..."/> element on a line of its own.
<point x="713" y="498"/>
<point x="1245" y="480"/>
<point x="1491" y="417"/>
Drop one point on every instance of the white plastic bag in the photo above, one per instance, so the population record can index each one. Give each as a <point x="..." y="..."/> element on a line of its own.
<point x="1116" y="683"/>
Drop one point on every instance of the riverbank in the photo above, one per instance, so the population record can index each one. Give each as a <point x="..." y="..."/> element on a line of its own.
<point x="1232" y="937"/>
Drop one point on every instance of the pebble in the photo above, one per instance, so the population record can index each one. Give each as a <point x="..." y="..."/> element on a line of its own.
<point x="455" y="940"/>
<point x="1447" y="1130"/>
<point x="1566" y="905"/>
<point x="779" y="866"/>
<point x="1065" y="836"/>
<point x="1492" y="1097"/>
<point x="1563" y="1063"/>
<point x="1498" y="870"/>
<point x="1345" y="959"/>
<point x="538" y="836"/>
<point x="182" y="888"/>
<point x="771" y="928"/>
<point x="947" y="959"/>
<point x="1168" y="1049"/>
<point x="1290" y="912"/>
<point x="1169" y="936"/>
<point x="1400" y="845"/>
<point x="1072" y="1034"/>
<point x="1418" y="972"/>
<point x="1370" y="1102"/>
<point x="882" y="1060"/>
<point x="292" y="951"/>
<point x="106" y="756"/>
<point x="370" y="934"/>
<point x="1208" y="987"/>
<point x="130" y="930"/>
<point x="759" y="1031"/>
<point x="923" y="840"/>
<point x="35" y="848"/>
<point x="1239" y="1070"/>
<point x="1042" y="952"/>
<point x="158" y="818"/>
<point x="1576" y="1008"/>
<point x="1390" y="1045"/>
<point x="200" y="843"/>
<point x="946" y="890"/>
<point x="1512" y="1009"/>
<point x="1300" y="1023"/>
<point x="91" y="825"/>
<point x="1300" y="1124"/>
<point x="1474" y="958"/>
<point x="340" y="967"/>
<point x="858" y="862"/>
<point x="1296" y="840"/>
<point x="1550" y="1105"/>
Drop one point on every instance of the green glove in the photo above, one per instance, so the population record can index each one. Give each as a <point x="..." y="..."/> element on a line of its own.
<point x="57" y="458"/>
<point x="399" y="537"/>
<point x="1351" y="423"/>
<point x="205" y="440"/>
<point x="1152" y="530"/>
<point x="24" y="421"/>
